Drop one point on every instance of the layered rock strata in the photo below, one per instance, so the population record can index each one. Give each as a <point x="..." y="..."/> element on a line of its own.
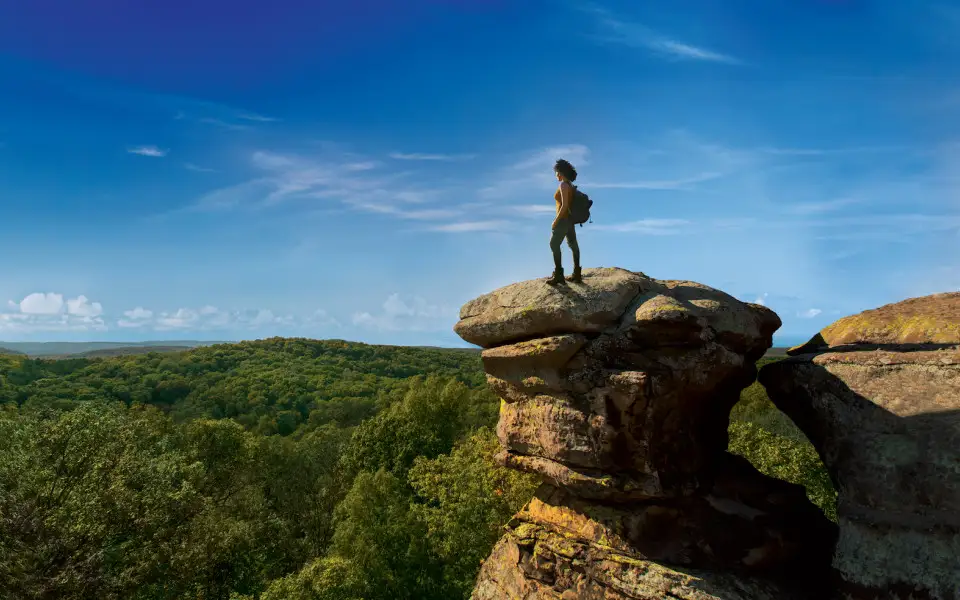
<point x="878" y="394"/>
<point x="617" y="392"/>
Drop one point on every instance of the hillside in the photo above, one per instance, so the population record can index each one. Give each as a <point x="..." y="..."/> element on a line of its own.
<point x="268" y="385"/>
<point x="124" y="351"/>
<point x="4" y="350"/>
<point x="74" y="348"/>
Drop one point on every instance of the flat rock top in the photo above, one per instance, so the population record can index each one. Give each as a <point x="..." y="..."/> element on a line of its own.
<point x="916" y="322"/>
<point x="608" y="298"/>
<point x="533" y="308"/>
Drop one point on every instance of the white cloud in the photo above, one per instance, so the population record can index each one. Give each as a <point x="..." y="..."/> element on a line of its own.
<point x="533" y="171"/>
<point x="182" y="318"/>
<point x="82" y="307"/>
<point x="407" y="314"/>
<point x="543" y="160"/>
<point x="131" y="324"/>
<point x="44" y="312"/>
<point x="249" y="116"/>
<point x="148" y="151"/>
<point x="42" y="304"/>
<point x="809" y="208"/>
<point x="809" y="313"/>
<point x="264" y="317"/>
<point x="667" y="184"/>
<point x="761" y="300"/>
<point x="355" y="182"/>
<point x="321" y="318"/>
<point x="434" y="157"/>
<point x="211" y="318"/>
<point x="535" y="210"/>
<point x="827" y="151"/>
<point x="223" y="124"/>
<point x="649" y="226"/>
<point x="617" y="31"/>
<point x="467" y="226"/>
<point x="198" y="169"/>
<point x="681" y="50"/>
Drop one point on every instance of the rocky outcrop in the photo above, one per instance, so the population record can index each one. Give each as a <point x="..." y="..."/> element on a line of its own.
<point x="617" y="392"/>
<point x="878" y="394"/>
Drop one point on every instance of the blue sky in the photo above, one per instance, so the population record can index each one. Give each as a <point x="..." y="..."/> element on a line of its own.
<point x="246" y="169"/>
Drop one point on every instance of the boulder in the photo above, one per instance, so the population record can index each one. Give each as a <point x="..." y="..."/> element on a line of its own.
<point x="617" y="393"/>
<point x="532" y="309"/>
<point x="878" y="394"/>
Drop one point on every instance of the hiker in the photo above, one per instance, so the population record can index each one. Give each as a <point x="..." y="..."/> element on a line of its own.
<point x="573" y="207"/>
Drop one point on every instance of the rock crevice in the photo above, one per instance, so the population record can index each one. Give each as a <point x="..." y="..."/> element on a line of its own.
<point x="878" y="394"/>
<point x="617" y="392"/>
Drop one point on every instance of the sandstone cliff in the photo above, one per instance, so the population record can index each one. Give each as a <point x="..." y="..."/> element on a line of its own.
<point x="878" y="394"/>
<point x="617" y="392"/>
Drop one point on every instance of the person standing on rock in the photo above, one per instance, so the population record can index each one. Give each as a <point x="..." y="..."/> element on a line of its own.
<point x="564" y="224"/>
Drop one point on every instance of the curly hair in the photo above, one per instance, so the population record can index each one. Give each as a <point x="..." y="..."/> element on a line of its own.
<point x="566" y="169"/>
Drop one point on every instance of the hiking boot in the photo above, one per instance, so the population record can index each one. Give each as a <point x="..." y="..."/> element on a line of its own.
<point x="557" y="277"/>
<point x="576" y="277"/>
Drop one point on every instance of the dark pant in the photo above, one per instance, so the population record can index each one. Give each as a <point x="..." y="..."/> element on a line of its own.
<point x="564" y="229"/>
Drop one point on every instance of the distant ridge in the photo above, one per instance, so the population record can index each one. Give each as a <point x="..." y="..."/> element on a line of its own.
<point x="128" y="351"/>
<point x="101" y="349"/>
<point x="60" y="349"/>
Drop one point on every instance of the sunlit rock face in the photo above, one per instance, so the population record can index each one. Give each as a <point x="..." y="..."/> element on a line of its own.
<point x="878" y="394"/>
<point x="617" y="393"/>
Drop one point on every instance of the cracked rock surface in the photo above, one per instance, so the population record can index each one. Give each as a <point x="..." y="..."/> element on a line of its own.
<point x="617" y="393"/>
<point x="878" y="394"/>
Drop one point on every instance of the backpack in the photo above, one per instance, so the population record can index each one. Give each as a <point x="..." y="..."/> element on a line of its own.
<point x="580" y="207"/>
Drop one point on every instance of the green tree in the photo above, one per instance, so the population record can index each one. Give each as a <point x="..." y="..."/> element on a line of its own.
<point x="382" y="538"/>
<point x="93" y="504"/>
<point x="466" y="499"/>
<point x="426" y="422"/>
<point x="330" y="578"/>
<point x="786" y="459"/>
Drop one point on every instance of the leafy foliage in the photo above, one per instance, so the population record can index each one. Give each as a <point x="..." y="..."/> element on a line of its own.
<point x="465" y="499"/>
<point x="276" y="469"/>
<point x="273" y="386"/>
<point x="776" y="447"/>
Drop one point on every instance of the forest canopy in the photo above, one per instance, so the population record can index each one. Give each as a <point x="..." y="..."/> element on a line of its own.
<point x="276" y="469"/>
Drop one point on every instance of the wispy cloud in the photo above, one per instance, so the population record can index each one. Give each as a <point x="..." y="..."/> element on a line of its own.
<point x="212" y="318"/>
<point x="181" y="108"/>
<point x="533" y="170"/>
<point x="198" y="169"/>
<point x="249" y="116"/>
<point x="809" y="208"/>
<point x="223" y="124"/>
<point x="469" y="226"/>
<point x="649" y="226"/>
<point x="54" y="312"/>
<point x="430" y="157"/>
<point x="148" y="151"/>
<point x="534" y="210"/>
<point x="878" y="149"/>
<point x="353" y="181"/>
<point x="615" y="30"/>
<point x="809" y="313"/>
<point x="413" y="313"/>
<point x="667" y="184"/>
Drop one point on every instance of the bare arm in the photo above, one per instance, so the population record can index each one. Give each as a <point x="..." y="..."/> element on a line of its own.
<point x="566" y="197"/>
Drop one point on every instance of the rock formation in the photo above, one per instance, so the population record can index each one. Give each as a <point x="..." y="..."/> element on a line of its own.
<point x="617" y="392"/>
<point x="878" y="394"/>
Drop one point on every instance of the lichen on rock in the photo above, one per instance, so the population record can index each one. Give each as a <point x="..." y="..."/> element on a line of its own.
<point x="878" y="394"/>
<point x="617" y="392"/>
